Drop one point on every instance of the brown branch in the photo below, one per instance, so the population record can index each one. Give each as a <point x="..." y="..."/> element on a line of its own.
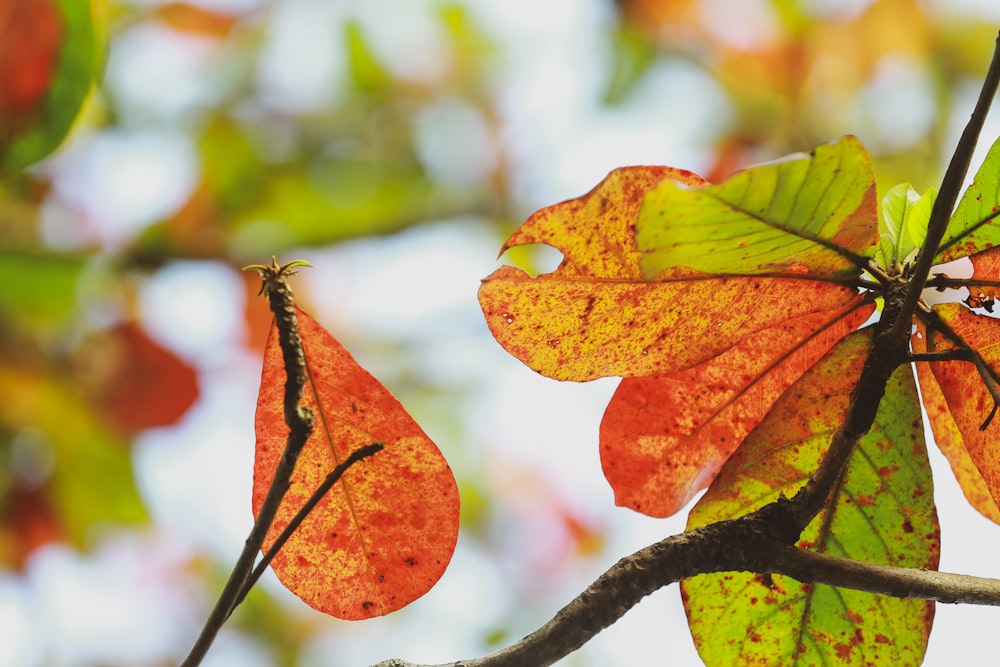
<point x="899" y="582"/>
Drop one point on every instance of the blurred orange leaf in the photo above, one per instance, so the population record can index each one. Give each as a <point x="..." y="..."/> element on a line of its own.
<point x="185" y="17"/>
<point x="27" y="522"/>
<point x="141" y="384"/>
<point x="385" y="533"/>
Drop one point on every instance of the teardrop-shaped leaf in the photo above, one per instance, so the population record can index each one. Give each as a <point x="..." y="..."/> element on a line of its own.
<point x="881" y="512"/>
<point x="958" y="424"/>
<point x="50" y="55"/>
<point x="813" y="214"/>
<point x="903" y="224"/>
<point x="969" y="231"/>
<point x="597" y="315"/>
<point x="664" y="438"/>
<point x="385" y="533"/>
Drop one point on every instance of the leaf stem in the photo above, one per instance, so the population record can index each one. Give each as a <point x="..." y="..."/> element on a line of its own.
<point x="300" y="425"/>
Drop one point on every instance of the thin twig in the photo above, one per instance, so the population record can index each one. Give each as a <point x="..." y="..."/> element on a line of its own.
<point x="300" y="425"/>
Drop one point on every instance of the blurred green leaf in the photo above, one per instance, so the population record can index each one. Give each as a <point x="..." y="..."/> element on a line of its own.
<point x="37" y="289"/>
<point x="632" y="57"/>
<point x="367" y="72"/>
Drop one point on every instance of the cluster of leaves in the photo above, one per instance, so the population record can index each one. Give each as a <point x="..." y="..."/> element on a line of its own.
<point x="739" y="315"/>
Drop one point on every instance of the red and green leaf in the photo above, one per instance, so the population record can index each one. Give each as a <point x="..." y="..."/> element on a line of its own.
<point x="881" y="512"/>
<point x="386" y="532"/>
<point x="949" y="438"/>
<point x="51" y="53"/>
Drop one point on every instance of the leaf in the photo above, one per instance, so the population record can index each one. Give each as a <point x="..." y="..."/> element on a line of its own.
<point x="882" y="512"/>
<point x="813" y="214"/>
<point x="664" y="438"/>
<point x="27" y="522"/>
<point x="384" y="535"/>
<point x="949" y="438"/>
<point x="51" y="52"/>
<point x="971" y="450"/>
<point x="903" y="224"/>
<point x="968" y="231"/>
<point x="598" y="315"/>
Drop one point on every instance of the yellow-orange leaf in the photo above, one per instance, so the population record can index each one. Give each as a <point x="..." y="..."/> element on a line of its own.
<point x="385" y="533"/>
<point x="597" y="315"/>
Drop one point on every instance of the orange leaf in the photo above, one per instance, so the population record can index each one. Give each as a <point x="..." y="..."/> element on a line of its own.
<point x="957" y="403"/>
<point x="665" y="437"/>
<point x="385" y="533"/>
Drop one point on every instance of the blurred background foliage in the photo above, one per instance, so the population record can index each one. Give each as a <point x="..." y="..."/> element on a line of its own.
<point x="395" y="143"/>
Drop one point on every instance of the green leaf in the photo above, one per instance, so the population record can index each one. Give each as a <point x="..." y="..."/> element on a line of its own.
<point x="903" y="224"/>
<point x="814" y="214"/>
<point x="51" y="52"/>
<point x="882" y="512"/>
<point x="968" y="230"/>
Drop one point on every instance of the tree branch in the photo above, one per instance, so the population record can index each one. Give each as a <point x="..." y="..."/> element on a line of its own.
<point x="711" y="549"/>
